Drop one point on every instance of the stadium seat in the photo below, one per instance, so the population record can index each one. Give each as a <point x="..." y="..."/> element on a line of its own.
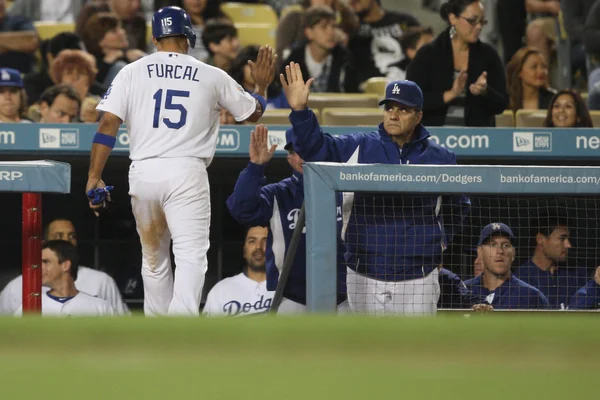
<point x="291" y="7"/>
<point x="376" y="85"/>
<point x="530" y="118"/>
<point x="258" y="34"/>
<point x="505" y="120"/>
<point x="319" y="101"/>
<point x="595" y="114"/>
<point x="47" y="30"/>
<point x="352" y="116"/>
<point x="279" y="116"/>
<point x="250" y="13"/>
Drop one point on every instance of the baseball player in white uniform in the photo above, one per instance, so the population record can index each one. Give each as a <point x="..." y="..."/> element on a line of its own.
<point x="245" y="293"/>
<point x="171" y="103"/>
<point x="59" y="272"/>
<point x="93" y="282"/>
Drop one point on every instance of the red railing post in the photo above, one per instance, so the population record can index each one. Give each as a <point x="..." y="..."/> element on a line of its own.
<point x="32" y="252"/>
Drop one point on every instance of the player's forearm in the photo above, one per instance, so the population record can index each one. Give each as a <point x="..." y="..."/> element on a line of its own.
<point x="108" y="126"/>
<point x="24" y="42"/>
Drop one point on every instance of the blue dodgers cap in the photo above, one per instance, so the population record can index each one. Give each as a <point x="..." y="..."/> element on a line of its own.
<point x="495" y="228"/>
<point x="289" y="145"/>
<point x="404" y="92"/>
<point x="10" y="77"/>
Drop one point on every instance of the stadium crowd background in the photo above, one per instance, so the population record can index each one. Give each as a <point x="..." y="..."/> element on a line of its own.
<point x="65" y="54"/>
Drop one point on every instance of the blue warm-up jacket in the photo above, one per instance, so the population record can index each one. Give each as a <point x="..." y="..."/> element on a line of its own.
<point x="277" y="206"/>
<point x="389" y="237"/>
<point x="514" y="294"/>
<point x="587" y="297"/>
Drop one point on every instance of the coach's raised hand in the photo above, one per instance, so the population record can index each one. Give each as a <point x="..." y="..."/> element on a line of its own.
<point x="263" y="69"/>
<point x="295" y="89"/>
<point x="259" y="151"/>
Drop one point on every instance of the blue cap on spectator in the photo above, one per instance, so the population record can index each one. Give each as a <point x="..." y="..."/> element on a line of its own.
<point x="10" y="77"/>
<point x="289" y="145"/>
<point x="404" y="92"/>
<point x="496" y="228"/>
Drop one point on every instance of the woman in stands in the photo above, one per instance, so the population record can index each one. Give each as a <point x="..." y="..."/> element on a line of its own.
<point x="462" y="78"/>
<point x="77" y="69"/>
<point x="527" y="78"/>
<point x="568" y="110"/>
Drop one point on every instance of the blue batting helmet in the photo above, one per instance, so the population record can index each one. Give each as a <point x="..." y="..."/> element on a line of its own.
<point x="173" y="21"/>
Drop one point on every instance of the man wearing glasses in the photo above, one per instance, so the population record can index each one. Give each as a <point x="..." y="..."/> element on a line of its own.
<point x="497" y="286"/>
<point x="394" y="241"/>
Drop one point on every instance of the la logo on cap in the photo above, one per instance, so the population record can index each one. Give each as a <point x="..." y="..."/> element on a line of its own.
<point x="396" y="89"/>
<point x="496" y="227"/>
<point x="5" y="75"/>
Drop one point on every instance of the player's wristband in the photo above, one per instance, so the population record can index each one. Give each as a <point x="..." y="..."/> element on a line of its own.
<point x="261" y="100"/>
<point x="105" y="140"/>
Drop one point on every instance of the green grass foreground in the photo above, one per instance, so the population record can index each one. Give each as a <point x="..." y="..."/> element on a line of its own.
<point x="317" y="357"/>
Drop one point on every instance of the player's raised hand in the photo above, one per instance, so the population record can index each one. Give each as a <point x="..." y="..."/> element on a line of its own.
<point x="295" y="89"/>
<point x="263" y="69"/>
<point x="260" y="153"/>
<point x="597" y="276"/>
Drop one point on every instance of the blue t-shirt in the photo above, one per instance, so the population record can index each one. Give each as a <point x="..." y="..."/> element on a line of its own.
<point x="514" y="294"/>
<point x="558" y="287"/>
<point x="13" y="59"/>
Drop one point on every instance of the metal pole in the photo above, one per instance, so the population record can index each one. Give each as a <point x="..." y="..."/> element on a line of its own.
<point x="32" y="252"/>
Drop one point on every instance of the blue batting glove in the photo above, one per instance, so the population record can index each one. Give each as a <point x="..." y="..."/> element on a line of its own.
<point x="98" y="195"/>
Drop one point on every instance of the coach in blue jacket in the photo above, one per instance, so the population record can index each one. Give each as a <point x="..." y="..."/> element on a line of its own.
<point x="277" y="206"/>
<point x="394" y="242"/>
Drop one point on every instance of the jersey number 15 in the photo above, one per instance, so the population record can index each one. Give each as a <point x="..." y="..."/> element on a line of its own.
<point x="169" y="105"/>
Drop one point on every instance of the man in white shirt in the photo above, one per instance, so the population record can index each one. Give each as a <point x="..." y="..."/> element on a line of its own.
<point x="59" y="271"/>
<point x="90" y="281"/>
<point x="245" y="293"/>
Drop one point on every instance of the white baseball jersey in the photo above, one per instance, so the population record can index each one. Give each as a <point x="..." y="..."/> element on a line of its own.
<point x="238" y="295"/>
<point x="82" y="304"/>
<point x="171" y="102"/>
<point x="97" y="283"/>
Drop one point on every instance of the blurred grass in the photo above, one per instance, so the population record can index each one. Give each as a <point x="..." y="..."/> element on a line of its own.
<point x="317" y="357"/>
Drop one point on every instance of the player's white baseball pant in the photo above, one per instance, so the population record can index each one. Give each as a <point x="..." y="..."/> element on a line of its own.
<point x="288" y="307"/>
<point x="371" y="296"/>
<point x="171" y="200"/>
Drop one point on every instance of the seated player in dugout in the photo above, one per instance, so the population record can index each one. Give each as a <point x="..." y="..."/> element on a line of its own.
<point x="497" y="286"/>
<point x="587" y="297"/>
<point x="277" y="205"/>
<point x="245" y="293"/>
<point x="548" y="269"/>
<point x="383" y="276"/>
<point x="60" y="264"/>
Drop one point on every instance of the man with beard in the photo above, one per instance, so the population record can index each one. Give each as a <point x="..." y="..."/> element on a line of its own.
<point x="547" y="269"/>
<point x="245" y="293"/>
<point x="497" y="286"/>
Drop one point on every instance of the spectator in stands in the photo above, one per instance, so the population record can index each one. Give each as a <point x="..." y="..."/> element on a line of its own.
<point x="383" y="277"/>
<point x="48" y="10"/>
<point x="276" y="205"/>
<point x="512" y="20"/>
<point x="240" y="71"/>
<point x="18" y="41"/>
<point x="462" y="78"/>
<point x="128" y="12"/>
<point x="568" y="110"/>
<point x="541" y="31"/>
<point x="60" y="264"/>
<point x="291" y="27"/>
<point x="321" y="57"/>
<point x="88" y="113"/>
<point x="547" y="269"/>
<point x="37" y="82"/>
<point x="77" y="69"/>
<point x="527" y="81"/>
<point x="91" y="281"/>
<point x="497" y="286"/>
<point x="13" y="102"/>
<point x="199" y="11"/>
<point x="574" y="16"/>
<point x="411" y="41"/>
<point x="59" y="105"/>
<point x="588" y="297"/>
<point x="591" y="40"/>
<point x="220" y="38"/>
<point x="245" y="293"/>
<point x="104" y="37"/>
<point x="375" y="45"/>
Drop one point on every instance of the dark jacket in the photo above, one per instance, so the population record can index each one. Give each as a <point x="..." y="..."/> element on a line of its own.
<point x="390" y="237"/>
<point x="433" y="70"/>
<point x="342" y="78"/>
<point x="514" y="294"/>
